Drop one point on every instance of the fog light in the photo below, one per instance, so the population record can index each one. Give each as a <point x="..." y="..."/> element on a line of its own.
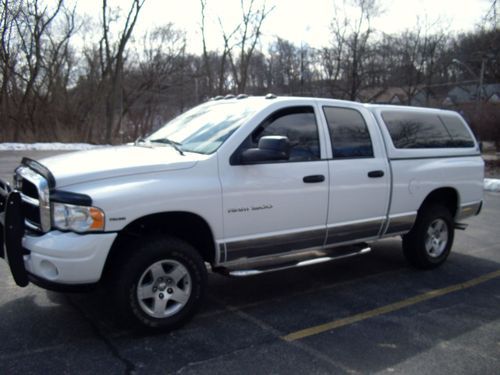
<point x="49" y="270"/>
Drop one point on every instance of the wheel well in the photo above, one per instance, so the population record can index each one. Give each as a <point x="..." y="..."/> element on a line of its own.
<point x="186" y="226"/>
<point x="447" y="197"/>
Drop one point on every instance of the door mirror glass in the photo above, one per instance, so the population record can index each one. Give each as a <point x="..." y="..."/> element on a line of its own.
<point x="270" y="149"/>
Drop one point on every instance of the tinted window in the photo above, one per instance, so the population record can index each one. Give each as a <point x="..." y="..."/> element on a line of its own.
<point x="426" y="130"/>
<point x="460" y="136"/>
<point x="348" y="133"/>
<point x="299" y="125"/>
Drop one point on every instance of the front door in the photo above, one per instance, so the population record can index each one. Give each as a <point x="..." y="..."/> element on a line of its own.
<point x="277" y="207"/>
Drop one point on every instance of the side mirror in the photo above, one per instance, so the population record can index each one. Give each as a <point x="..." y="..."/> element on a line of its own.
<point x="271" y="148"/>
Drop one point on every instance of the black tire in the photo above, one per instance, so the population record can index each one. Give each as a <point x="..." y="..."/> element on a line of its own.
<point x="179" y="284"/>
<point x="426" y="246"/>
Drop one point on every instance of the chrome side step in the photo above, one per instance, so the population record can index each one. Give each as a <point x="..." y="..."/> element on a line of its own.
<point x="302" y="263"/>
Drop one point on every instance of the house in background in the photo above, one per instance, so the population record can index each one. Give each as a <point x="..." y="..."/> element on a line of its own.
<point x="415" y="96"/>
<point x="494" y="98"/>
<point x="467" y="94"/>
<point x="435" y="96"/>
<point x="388" y="95"/>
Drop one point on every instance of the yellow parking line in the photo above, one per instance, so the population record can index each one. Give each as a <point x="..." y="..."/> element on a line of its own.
<point x="388" y="308"/>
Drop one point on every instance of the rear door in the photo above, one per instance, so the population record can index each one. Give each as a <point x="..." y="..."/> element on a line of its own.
<point x="359" y="175"/>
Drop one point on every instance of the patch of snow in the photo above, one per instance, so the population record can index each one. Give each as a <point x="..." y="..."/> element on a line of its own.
<point x="492" y="184"/>
<point x="46" y="146"/>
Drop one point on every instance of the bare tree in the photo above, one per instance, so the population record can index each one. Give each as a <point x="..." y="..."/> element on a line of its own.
<point x="113" y="89"/>
<point x="88" y="96"/>
<point x="9" y="13"/>
<point x="226" y="54"/>
<point x="206" y="58"/>
<point x="157" y="76"/>
<point x="284" y="66"/>
<point x="418" y="53"/>
<point x="244" y="39"/>
<point x="491" y="17"/>
<point x="32" y="25"/>
<point x="289" y="66"/>
<point x="112" y="54"/>
<point x="351" y="44"/>
<point x="35" y="59"/>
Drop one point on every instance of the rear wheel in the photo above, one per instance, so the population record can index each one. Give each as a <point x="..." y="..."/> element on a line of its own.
<point x="429" y="242"/>
<point x="162" y="284"/>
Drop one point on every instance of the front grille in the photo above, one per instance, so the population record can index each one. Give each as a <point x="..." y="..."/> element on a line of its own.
<point x="32" y="214"/>
<point x="35" y="198"/>
<point x="29" y="189"/>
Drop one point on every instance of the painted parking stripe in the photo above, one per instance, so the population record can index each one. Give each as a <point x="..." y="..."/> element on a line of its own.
<point x="388" y="308"/>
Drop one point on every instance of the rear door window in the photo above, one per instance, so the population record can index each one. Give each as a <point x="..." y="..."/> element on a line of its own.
<point x="349" y="134"/>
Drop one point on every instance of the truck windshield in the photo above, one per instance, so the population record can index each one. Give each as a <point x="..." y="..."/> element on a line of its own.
<point x="204" y="128"/>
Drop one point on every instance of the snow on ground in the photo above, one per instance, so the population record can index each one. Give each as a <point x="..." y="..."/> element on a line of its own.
<point x="46" y="146"/>
<point x="492" y="184"/>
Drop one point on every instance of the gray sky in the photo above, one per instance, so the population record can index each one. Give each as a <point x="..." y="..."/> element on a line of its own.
<point x="300" y="21"/>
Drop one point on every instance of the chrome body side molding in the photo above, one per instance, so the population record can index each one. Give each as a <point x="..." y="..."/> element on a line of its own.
<point x="399" y="224"/>
<point x="468" y="209"/>
<point x="354" y="231"/>
<point x="273" y="245"/>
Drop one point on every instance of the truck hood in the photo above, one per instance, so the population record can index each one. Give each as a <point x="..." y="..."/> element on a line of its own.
<point x="109" y="162"/>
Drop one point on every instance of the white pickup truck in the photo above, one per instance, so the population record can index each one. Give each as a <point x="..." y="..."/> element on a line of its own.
<point x="246" y="185"/>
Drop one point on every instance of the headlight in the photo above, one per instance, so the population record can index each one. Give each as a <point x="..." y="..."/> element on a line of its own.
<point x="77" y="218"/>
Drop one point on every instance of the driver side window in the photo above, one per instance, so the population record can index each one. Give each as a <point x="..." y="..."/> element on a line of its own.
<point x="296" y="123"/>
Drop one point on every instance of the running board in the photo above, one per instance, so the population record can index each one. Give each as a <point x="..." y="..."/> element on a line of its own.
<point x="461" y="226"/>
<point x="281" y="267"/>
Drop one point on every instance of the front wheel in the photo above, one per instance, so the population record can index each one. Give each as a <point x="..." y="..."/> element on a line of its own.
<point x="429" y="242"/>
<point x="162" y="284"/>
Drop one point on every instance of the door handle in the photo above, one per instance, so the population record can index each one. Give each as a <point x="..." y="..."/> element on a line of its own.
<point x="375" y="174"/>
<point x="313" y="178"/>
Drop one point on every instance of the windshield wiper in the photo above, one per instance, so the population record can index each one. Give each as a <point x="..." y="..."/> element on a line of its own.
<point x="140" y="140"/>
<point x="169" y="142"/>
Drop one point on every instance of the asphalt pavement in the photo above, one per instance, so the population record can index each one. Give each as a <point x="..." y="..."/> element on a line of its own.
<point x="370" y="314"/>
